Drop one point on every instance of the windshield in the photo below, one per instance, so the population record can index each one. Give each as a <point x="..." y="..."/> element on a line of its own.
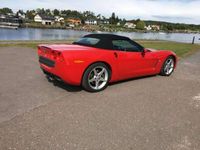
<point x="88" y="41"/>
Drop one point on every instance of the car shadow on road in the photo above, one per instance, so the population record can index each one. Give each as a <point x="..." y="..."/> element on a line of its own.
<point x="71" y="88"/>
<point x="131" y="79"/>
<point x="65" y="86"/>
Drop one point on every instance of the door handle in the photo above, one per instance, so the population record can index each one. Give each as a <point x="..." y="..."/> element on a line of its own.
<point x="115" y="54"/>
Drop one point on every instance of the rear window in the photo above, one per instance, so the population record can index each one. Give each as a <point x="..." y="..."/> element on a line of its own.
<point x="87" y="41"/>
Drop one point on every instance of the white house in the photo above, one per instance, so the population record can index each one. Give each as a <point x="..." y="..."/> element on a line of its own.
<point x="21" y="15"/>
<point x="91" y="22"/>
<point x="148" y="28"/>
<point x="155" y="27"/>
<point x="104" y="21"/>
<point x="59" y="19"/>
<point x="130" y="25"/>
<point x="38" y="18"/>
<point x="118" y="24"/>
<point x="10" y="21"/>
<point x="45" y="20"/>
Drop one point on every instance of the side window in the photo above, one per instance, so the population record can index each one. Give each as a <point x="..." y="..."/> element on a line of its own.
<point x="124" y="45"/>
<point x="87" y="41"/>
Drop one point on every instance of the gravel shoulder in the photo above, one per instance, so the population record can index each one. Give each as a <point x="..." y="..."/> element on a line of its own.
<point x="151" y="113"/>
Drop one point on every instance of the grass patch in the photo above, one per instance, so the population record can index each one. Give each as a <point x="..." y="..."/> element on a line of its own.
<point x="181" y="49"/>
<point x="32" y="44"/>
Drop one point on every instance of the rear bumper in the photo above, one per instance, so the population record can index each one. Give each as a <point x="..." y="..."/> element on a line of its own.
<point x="61" y="75"/>
<point x="46" y="61"/>
<point x="51" y="75"/>
<point x="60" y="72"/>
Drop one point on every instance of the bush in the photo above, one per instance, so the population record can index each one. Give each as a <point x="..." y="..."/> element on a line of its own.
<point x="140" y="25"/>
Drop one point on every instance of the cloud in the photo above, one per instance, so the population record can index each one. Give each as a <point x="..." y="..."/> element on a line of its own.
<point x="186" y="11"/>
<point x="170" y="17"/>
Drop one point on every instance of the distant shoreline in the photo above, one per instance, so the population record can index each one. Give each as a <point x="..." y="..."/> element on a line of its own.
<point x="97" y="29"/>
<point x="81" y="28"/>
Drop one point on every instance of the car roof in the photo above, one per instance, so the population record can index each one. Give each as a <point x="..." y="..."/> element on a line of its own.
<point x="105" y="39"/>
<point x="107" y="36"/>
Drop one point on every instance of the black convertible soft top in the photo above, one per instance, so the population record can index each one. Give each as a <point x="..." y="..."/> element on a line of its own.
<point x="107" y="36"/>
<point x="105" y="40"/>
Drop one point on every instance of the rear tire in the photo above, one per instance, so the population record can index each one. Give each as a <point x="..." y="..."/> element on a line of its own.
<point x="96" y="77"/>
<point x="168" y="66"/>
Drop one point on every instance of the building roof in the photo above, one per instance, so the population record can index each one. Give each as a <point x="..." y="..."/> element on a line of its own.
<point x="91" y="20"/>
<point x="45" y="17"/>
<point x="8" y="16"/>
<point x="73" y="18"/>
<point x="104" y="19"/>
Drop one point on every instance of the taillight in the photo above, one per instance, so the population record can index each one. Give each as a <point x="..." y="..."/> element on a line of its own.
<point x="57" y="56"/>
<point x="61" y="58"/>
<point x="39" y="51"/>
<point x="49" y="53"/>
<point x="53" y="54"/>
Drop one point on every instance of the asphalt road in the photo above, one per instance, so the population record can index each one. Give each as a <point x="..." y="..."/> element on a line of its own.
<point x="153" y="113"/>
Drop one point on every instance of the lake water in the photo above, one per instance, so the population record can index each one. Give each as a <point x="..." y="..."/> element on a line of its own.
<point x="60" y="34"/>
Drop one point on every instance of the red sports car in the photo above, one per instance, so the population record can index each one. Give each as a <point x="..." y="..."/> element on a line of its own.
<point x="95" y="60"/>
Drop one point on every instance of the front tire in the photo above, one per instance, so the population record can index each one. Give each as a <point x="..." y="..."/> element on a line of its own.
<point x="96" y="77"/>
<point x="168" y="66"/>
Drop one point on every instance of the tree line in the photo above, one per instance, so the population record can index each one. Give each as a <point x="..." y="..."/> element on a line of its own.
<point x="113" y="19"/>
<point x="167" y="26"/>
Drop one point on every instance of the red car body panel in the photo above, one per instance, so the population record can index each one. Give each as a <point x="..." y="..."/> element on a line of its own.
<point x="72" y="60"/>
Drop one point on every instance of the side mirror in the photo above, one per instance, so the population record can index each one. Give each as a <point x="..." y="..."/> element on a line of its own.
<point x="143" y="52"/>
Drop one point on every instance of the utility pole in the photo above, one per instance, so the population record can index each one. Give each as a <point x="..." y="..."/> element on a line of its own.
<point x="193" y="39"/>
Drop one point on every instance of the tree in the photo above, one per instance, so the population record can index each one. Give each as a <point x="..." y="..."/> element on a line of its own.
<point x="20" y="11"/>
<point x="140" y="25"/>
<point x="117" y="20"/>
<point x="5" y="10"/>
<point x="103" y="18"/>
<point x="169" y="27"/>
<point x="65" y="13"/>
<point x="56" y="12"/>
<point x="123" y="21"/>
<point x="30" y="14"/>
<point x="138" y="20"/>
<point x="89" y="15"/>
<point x="48" y="12"/>
<point x="40" y="11"/>
<point x="112" y="18"/>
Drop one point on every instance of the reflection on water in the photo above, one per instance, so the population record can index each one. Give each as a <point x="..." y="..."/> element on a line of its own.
<point x="58" y="34"/>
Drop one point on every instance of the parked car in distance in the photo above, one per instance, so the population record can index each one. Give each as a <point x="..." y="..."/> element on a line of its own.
<point x="96" y="60"/>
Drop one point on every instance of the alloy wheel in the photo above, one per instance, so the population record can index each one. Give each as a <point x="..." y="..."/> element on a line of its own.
<point x="98" y="77"/>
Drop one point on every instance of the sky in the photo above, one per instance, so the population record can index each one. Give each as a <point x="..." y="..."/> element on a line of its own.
<point x="177" y="11"/>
